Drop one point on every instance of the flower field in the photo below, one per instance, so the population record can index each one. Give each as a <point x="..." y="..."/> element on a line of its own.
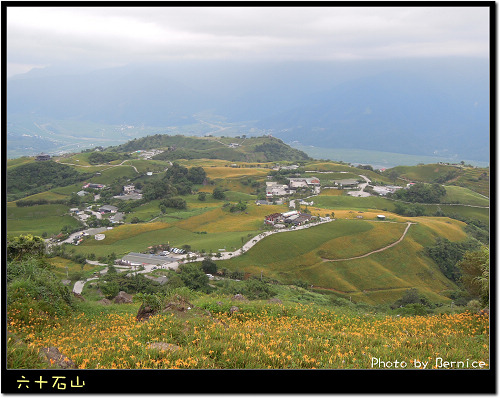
<point x="260" y="336"/>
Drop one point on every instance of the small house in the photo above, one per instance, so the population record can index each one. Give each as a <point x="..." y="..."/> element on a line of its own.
<point x="42" y="157"/>
<point x="108" y="209"/>
<point x="273" y="218"/>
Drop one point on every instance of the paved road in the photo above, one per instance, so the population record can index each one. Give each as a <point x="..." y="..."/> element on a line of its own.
<point x="362" y="186"/>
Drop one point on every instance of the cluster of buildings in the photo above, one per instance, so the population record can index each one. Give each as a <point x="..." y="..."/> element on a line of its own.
<point x="293" y="218"/>
<point x="274" y="189"/>
<point x="130" y="192"/>
<point x="148" y="154"/>
<point x="93" y="186"/>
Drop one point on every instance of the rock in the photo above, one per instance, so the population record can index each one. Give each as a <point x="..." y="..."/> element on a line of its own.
<point x="78" y="296"/>
<point x="233" y="309"/>
<point x="123" y="298"/>
<point x="104" y="301"/>
<point x="57" y="359"/>
<point x="144" y="313"/>
<point x="163" y="346"/>
<point x="275" y="301"/>
<point x="239" y="297"/>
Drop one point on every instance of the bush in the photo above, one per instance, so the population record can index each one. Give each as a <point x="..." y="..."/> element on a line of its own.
<point x="30" y="284"/>
<point x="410" y="298"/>
<point x="109" y="289"/>
<point x="218" y="193"/>
<point x="194" y="278"/>
<point x="208" y="266"/>
<point x="413" y="310"/>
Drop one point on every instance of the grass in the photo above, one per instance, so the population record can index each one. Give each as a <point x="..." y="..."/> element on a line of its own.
<point x="259" y="336"/>
<point x="38" y="219"/>
<point x="373" y="279"/>
<point x="348" y="202"/>
<point x="464" y="196"/>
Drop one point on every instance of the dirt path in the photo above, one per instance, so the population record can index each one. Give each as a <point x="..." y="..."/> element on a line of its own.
<point x="102" y="165"/>
<point x="375" y="251"/>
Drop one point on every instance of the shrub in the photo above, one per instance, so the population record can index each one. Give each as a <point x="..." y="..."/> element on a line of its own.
<point x="109" y="289"/>
<point x="208" y="266"/>
<point x="31" y="285"/>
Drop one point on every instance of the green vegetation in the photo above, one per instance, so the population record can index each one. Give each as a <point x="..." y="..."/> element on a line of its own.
<point x="421" y="193"/>
<point x="30" y="178"/>
<point x="181" y="147"/>
<point x="325" y="297"/>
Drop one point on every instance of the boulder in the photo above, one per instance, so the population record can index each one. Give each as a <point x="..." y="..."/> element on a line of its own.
<point x="104" y="301"/>
<point x="163" y="346"/>
<point x="144" y="313"/>
<point x="239" y="297"/>
<point x="56" y="359"/>
<point x="123" y="298"/>
<point x="233" y="309"/>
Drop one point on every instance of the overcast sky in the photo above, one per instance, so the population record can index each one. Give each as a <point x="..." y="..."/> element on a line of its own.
<point x="104" y="36"/>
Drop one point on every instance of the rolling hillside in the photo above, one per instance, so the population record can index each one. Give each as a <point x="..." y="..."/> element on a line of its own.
<point x="356" y="256"/>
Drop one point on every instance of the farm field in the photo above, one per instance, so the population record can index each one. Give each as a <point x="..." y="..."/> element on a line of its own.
<point x="38" y="219"/>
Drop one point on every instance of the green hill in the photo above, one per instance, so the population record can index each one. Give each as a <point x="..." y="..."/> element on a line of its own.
<point x="253" y="149"/>
<point x="473" y="178"/>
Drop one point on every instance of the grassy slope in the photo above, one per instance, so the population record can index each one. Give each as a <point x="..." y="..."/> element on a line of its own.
<point x="379" y="277"/>
<point x="475" y="179"/>
<point x="38" y="219"/>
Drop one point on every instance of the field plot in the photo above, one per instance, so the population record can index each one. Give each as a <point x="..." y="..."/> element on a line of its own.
<point x="464" y="196"/>
<point x="218" y="219"/>
<point x="231" y="172"/>
<point x="38" y="219"/>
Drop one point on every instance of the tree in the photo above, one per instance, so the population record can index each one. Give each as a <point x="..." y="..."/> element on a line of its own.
<point x="196" y="175"/>
<point x="193" y="277"/>
<point x="412" y="297"/>
<point x="447" y="254"/>
<point x="218" y="193"/>
<point x="208" y="266"/>
<point x="202" y="196"/>
<point x="109" y="289"/>
<point x="393" y="175"/>
<point x="74" y="199"/>
<point x="475" y="268"/>
<point x="176" y="203"/>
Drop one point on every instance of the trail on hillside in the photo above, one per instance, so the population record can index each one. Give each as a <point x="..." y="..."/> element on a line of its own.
<point x="375" y="251"/>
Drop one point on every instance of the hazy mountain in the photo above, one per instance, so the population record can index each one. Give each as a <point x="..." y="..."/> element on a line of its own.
<point x="419" y="107"/>
<point x="393" y="112"/>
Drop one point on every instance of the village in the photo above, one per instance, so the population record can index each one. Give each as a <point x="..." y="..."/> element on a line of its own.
<point x="298" y="194"/>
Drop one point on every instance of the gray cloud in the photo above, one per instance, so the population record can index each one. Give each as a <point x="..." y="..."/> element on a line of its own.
<point x="38" y="36"/>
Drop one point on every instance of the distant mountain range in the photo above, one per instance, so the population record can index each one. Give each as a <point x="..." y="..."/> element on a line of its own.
<point x="424" y="108"/>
